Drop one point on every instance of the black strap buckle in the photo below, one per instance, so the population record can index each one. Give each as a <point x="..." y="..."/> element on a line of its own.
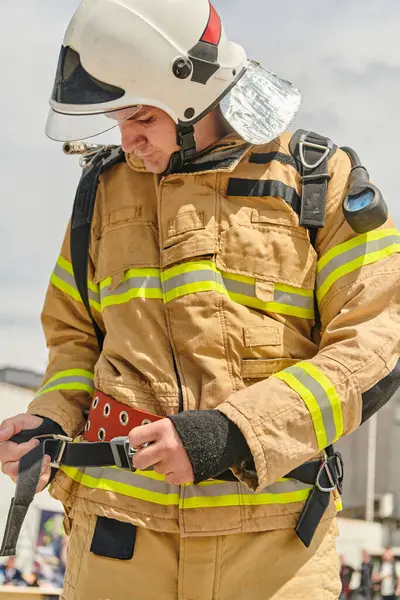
<point x="123" y="452"/>
<point x="63" y="439"/>
<point x="332" y="469"/>
<point x="325" y="149"/>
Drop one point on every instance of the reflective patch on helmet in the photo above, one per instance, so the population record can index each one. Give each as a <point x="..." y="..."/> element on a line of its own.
<point x="204" y="55"/>
<point x="212" y="33"/>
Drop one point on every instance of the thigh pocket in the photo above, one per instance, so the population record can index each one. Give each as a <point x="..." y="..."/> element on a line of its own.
<point x="113" y="539"/>
<point x="78" y="546"/>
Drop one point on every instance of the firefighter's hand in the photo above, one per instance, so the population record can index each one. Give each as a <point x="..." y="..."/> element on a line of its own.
<point x="11" y="452"/>
<point x="165" y="451"/>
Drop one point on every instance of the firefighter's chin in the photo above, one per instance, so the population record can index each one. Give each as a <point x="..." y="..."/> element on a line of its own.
<point x="156" y="162"/>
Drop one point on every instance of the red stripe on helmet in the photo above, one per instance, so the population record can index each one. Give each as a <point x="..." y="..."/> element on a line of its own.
<point x="212" y="33"/>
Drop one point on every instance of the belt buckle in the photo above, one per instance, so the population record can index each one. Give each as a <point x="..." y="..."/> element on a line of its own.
<point x="123" y="452"/>
<point x="63" y="439"/>
<point x="332" y="480"/>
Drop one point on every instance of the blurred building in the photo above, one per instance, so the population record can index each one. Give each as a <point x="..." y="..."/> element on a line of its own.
<point x="17" y="388"/>
<point x="355" y="450"/>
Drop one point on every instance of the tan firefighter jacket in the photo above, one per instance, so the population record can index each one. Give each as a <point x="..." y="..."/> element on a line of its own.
<point x="211" y="269"/>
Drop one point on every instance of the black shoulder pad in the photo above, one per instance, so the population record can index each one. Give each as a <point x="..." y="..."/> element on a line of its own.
<point x="312" y="152"/>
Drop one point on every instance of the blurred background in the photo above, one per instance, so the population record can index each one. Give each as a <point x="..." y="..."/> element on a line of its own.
<point x="345" y="58"/>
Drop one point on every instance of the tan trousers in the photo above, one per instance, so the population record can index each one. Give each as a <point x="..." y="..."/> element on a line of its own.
<point x="250" y="566"/>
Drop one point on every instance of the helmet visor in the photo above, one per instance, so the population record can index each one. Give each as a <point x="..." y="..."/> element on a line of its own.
<point x="81" y="105"/>
<point x="260" y="106"/>
<point x="76" y="127"/>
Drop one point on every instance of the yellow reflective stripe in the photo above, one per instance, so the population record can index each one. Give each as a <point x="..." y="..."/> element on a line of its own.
<point x="67" y="386"/>
<point x="353" y="243"/>
<point x="236" y="277"/>
<point x="275" y="307"/>
<point x="67" y="266"/>
<point x="331" y="392"/>
<point x="192" y="288"/>
<point x="188" y="267"/>
<point x="283" y="287"/>
<point x="320" y="396"/>
<point x="311" y="403"/>
<point x="121" y="488"/>
<point x="65" y="287"/>
<point x="130" y="273"/>
<point x="203" y="276"/>
<point x="63" y="279"/>
<point x="130" y="295"/>
<point x="244" y="499"/>
<point x="136" y="283"/>
<point x="70" y="379"/>
<point x="353" y="265"/>
<point x="350" y="256"/>
<point x="197" y="500"/>
<point x="71" y="373"/>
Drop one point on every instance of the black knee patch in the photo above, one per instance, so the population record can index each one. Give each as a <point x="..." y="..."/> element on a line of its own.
<point x="113" y="539"/>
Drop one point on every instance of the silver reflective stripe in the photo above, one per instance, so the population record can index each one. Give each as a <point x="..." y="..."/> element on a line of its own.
<point x="282" y="297"/>
<point x="356" y="252"/>
<point x="229" y="488"/>
<point x="69" y="379"/>
<point x="239" y="287"/>
<point x="131" y="479"/>
<point x="321" y="397"/>
<point x="284" y="487"/>
<point x="70" y="280"/>
<point x="191" y="277"/>
<point x="292" y="299"/>
<point x="213" y="489"/>
<point x="145" y="282"/>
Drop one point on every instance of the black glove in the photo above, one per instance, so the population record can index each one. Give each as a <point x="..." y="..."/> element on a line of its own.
<point x="47" y="427"/>
<point x="213" y="442"/>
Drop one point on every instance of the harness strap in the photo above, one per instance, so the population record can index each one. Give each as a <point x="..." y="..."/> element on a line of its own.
<point x="326" y="475"/>
<point x="82" y="215"/>
<point x="312" y="151"/>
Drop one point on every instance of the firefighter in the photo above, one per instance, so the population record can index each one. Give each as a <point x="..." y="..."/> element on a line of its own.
<point x="201" y="382"/>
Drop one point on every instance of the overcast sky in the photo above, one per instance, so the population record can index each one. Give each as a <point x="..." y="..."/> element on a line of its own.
<point x="343" y="55"/>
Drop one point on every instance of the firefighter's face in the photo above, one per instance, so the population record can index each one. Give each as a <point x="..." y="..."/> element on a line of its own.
<point x="149" y="134"/>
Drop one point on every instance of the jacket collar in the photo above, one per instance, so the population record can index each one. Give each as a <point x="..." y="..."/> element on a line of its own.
<point x="224" y="155"/>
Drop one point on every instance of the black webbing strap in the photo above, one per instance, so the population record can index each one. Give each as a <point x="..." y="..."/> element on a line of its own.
<point x="324" y="475"/>
<point x="82" y="216"/>
<point x="62" y="451"/>
<point x="312" y="151"/>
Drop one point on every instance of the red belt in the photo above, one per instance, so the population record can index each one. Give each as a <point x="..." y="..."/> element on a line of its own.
<point x="109" y="418"/>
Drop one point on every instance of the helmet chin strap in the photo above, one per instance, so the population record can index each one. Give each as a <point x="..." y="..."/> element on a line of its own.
<point x="187" y="144"/>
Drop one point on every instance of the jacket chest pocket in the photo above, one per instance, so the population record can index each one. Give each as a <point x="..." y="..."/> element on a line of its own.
<point x="187" y="221"/>
<point x="123" y="247"/>
<point x="269" y="262"/>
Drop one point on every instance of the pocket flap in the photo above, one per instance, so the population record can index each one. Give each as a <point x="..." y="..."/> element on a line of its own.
<point x="189" y="221"/>
<point x="121" y="248"/>
<point x="262" y="336"/>
<point x="265" y="290"/>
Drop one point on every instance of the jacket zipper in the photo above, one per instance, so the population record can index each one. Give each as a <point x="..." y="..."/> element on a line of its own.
<point x="178" y="380"/>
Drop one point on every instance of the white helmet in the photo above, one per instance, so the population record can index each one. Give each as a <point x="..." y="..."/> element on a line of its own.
<point x="171" y="54"/>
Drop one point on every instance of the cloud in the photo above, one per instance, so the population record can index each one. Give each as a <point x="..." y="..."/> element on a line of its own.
<point x="343" y="56"/>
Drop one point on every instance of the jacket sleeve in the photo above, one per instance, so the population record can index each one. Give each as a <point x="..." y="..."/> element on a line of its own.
<point x="73" y="351"/>
<point x="299" y="411"/>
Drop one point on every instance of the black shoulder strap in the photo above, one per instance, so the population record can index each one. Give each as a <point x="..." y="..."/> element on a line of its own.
<point x="82" y="215"/>
<point x="312" y="152"/>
